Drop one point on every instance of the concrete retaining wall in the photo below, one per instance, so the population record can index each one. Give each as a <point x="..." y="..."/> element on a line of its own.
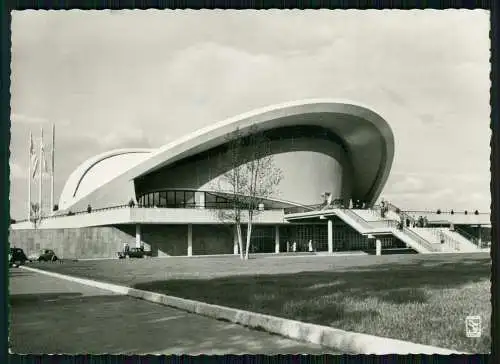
<point x="80" y="243"/>
<point x="105" y="241"/>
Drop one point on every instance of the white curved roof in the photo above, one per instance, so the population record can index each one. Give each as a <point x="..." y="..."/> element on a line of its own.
<point x="366" y="134"/>
<point x="97" y="171"/>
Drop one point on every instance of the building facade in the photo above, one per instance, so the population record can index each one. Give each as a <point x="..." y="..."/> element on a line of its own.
<point x="168" y="199"/>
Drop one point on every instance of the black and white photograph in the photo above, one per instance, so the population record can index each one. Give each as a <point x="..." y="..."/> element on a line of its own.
<point x="250" y="182"/>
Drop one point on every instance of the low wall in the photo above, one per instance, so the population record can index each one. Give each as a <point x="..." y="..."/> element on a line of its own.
<point x="105" y="241"/>
<point x="212" y="239"/>
<point x="79" y="243"/>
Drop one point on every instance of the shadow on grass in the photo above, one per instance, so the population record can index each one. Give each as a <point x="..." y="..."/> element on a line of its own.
<point x="306" y="295"/>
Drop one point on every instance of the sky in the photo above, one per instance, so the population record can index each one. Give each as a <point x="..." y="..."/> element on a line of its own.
<point x="119" y="79"/>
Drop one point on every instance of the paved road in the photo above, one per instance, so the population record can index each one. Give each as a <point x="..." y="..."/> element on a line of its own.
<point x="50" y="315"/>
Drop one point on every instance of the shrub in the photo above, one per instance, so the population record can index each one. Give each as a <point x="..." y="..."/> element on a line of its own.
<point x="438" y="211"/>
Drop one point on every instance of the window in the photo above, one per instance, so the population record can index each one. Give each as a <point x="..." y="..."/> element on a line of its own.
<point x="163" y="199"/>
<point x="179" y="199"/>
<point x="210" y="200"/>
<point x="156" y="199"/>
<point x="189" y="198"/>
<point x="171" y="199"/>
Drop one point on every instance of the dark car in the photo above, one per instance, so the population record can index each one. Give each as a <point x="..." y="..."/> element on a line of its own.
<point x="17" y="257"/>
<point x="44" y="255"/>
<point x="136" y="253"/>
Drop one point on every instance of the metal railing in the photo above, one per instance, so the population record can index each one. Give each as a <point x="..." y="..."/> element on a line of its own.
<point x="407" y="217"/>
<point x="82" y="212"/>
<point x="444" y="238"/>
<point x="335" y="204"/>
<point x="357" y="218"/>
<point x="421" y="240"/>
<point x="207" y="205"/>
<point x="386" y="223"/>
<point x="301" y="209"/>
<point x="473" y="239"/>
<point x="393" y="224"/>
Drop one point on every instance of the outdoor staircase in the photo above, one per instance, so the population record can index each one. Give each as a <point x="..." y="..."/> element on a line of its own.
<point x="422" y="240"/>
<point x="384" y="226"/>
<point x="449" y="241"/>
<point x="466" y="245"/>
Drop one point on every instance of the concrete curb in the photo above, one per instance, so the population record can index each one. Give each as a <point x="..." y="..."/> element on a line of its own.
<point x="344" y="341"/>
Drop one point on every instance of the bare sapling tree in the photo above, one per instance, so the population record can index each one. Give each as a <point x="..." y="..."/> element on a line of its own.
<point x="250" y="177"/>
<point x="36" y="215"/>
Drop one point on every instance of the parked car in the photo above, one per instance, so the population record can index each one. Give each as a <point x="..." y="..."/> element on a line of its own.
<point x="17" y="257"/>
<point x="44" y="255"/>
<point x="133" y="253"/>
<point x="136" y="253"/>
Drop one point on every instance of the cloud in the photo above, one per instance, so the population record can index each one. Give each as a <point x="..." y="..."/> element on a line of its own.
<point x="125" y="137"/>
<point x="21" y="118"/>
<point x="408" y="184"/>
<point x="141" y="79"/>
<point x="16" y="171"/>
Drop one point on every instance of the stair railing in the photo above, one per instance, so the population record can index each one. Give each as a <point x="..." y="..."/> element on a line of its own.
<point x="473" y="239"/>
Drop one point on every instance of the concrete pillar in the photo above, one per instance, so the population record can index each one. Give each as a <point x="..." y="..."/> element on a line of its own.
<point x="378" y="247"/>
<point x="137" y="235"/>
<point x="330" y="236"/>
<point x="190" y="240"/>
<point x="277" y="239"/>
<point x="235" y="242"/>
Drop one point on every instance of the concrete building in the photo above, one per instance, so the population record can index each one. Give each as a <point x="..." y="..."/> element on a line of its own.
<point x="321" y="146"/>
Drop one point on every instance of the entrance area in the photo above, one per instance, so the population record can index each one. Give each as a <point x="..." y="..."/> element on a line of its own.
<point x="301" y="235"/>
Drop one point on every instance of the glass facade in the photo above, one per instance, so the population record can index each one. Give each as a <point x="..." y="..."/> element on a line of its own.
<point x="183" y="199"/>
<point x="301" y="235"/>
<point x="262" y="240"/>
<point x="344" y="238"/>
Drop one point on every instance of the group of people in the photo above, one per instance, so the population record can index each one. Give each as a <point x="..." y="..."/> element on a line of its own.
<point x="294" y="247"/>
<point x="329" y="202"/>
<point x="384" y="209"/>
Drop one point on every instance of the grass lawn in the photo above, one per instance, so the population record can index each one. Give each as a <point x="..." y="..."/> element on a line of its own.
<point x="420" y="298"/>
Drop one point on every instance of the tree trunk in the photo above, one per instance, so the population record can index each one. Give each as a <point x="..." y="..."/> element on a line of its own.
<point x="249" y="235"/>
<point x="240" y="239"/>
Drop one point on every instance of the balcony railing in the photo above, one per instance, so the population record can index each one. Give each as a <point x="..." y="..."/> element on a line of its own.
<point x="208" y="205"/>
<point x="335" y="204"/>
<point x="473" y="239"/>
<point x="422" y="241"/>
<point x="357" y="218"/>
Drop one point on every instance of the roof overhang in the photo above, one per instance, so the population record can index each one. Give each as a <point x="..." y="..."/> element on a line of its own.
<point x="366" y="134"/>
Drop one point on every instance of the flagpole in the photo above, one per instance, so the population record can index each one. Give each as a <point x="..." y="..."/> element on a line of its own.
<point x="29" y="176"/>
<point x="40" y="176"/>
<point x="52" y="169"/>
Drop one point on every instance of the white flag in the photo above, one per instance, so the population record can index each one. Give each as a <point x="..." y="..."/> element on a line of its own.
<point x="34" y="158"/>
<point x="43" y="161"/>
